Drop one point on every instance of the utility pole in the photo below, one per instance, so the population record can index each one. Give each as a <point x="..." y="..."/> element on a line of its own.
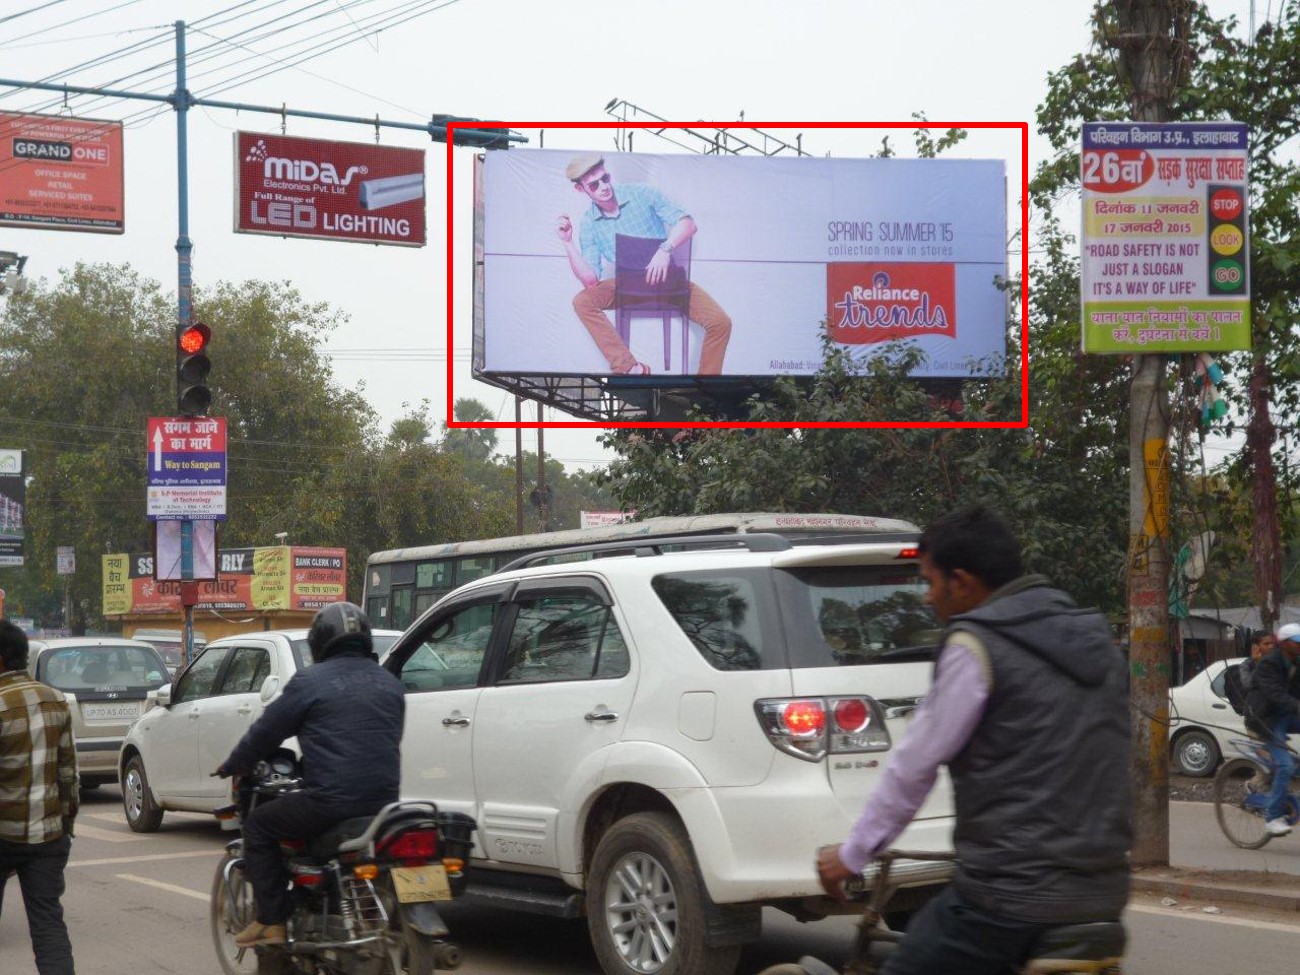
<point x="1144" y="37"/>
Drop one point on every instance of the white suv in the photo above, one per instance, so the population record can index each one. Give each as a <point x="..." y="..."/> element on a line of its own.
<point x="662" y="740"/>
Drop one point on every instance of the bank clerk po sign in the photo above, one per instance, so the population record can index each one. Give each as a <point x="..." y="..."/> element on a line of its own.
<point x="292" y="187"/>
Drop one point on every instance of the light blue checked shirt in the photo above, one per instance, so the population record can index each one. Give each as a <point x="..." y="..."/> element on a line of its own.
<point x="642" y="212"/>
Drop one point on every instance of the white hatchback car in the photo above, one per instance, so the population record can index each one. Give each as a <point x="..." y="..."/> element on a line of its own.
<point x="1202" y="721"/>
<point x="167" y="759"/>
<point x="661" y="740"/>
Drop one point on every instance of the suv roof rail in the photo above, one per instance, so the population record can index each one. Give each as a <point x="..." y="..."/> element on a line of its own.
<point x="642" y="547"/>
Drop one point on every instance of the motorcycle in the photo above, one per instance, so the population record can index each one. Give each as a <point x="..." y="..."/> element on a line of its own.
<point x="364" y="893"/>
<point x="1070" y="949"/>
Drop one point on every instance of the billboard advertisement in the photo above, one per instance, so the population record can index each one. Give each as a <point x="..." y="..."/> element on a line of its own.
<point x="13" y="497"/>
<point x="293" y="187"/>
<point x="649" y="265"/>
<point x="61" y="173"/>
<point x="277" y="577"/>
<point x="185" y="468"/>
<point x="1165" y="237"/>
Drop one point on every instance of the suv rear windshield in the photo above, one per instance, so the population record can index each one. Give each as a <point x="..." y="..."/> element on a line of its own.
<point x="96" y="667"/>
<point x="857" y="615"/>
<point x="831" y="616"/>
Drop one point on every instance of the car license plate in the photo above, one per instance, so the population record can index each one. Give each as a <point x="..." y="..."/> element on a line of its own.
<point x="427" y="883"/>
<point x="111" y="712"/>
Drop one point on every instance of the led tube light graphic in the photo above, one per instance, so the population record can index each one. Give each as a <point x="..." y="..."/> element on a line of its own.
<point x="391" y="190"/>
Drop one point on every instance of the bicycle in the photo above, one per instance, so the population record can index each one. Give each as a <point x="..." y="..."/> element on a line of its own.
<point x="1071" y="949"/>
<point x="1241" y="788"/>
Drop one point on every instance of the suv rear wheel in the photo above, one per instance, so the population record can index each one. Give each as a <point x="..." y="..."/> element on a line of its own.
<point x="646" y="904"/>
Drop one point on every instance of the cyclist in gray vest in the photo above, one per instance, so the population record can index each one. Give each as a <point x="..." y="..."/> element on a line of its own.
<point x="1028" y="710"/>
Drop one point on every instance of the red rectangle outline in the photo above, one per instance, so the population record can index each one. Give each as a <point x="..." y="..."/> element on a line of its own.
<point x="1022" y="423"/>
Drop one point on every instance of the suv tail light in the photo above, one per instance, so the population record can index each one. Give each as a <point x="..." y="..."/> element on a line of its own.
<point x="813" y="727"/>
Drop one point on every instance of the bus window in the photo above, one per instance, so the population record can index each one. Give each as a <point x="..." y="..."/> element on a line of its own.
<point x="469" y="569"/>
<point x="423" y="600"/>
<point x="434" y="575"/>
<point x="377" y="610"/>
<point x="401" y="606"/>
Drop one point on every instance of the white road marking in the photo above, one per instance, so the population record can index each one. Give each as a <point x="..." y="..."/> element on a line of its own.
<point x="172" y="888"/>
<point x="144" y="859"/>
<point x="108" y="817"/>
<point x="112" y="836"/>
<point x="1199" y="915"/>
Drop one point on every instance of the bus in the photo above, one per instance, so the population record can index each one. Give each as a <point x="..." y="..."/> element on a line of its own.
<point x="402" y="583"/>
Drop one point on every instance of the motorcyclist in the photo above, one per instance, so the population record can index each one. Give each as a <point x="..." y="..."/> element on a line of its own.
<point x="347" y="713"/>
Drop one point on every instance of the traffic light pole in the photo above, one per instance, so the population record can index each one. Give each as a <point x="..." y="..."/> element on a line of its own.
<point x="184" y="311"/>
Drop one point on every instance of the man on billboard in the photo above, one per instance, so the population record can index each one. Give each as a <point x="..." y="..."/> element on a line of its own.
<point x="640" y="211"/>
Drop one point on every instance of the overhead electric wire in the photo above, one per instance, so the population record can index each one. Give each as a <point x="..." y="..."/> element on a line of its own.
<point x="162" y="72"/>
<point x="30" y="10"/>
<point x="165" y="67"/>
<point x="12" y="42"/>
<point x="381" y="22"/>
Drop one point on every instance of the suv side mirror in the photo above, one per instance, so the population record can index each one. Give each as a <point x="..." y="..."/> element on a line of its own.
<point x="163" y="696"/>
<point x="269" y="687"/>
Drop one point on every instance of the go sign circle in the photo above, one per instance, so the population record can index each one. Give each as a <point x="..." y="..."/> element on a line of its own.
<point x="1226" y="204"/>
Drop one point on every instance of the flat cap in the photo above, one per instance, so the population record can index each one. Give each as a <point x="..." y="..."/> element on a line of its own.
<point x="579" y="166"/>
<point x="1288" y="631"/>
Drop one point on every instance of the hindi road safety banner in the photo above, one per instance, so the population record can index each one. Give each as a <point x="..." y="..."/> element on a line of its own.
<point x="1165" y="237"/>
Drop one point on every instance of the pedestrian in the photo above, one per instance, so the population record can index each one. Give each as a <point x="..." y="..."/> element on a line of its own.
<point x="38" y="799"/>
<point x="1028" y="712"/>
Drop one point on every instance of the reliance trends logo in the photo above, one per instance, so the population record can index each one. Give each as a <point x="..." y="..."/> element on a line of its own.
<point x="876" y="302"/>
<point x="300" y="170"/>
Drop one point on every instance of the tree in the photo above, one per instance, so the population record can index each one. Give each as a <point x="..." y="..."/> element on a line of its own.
<point x="476" y="443"/>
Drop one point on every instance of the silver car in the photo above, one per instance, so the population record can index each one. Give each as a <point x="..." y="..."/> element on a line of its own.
<point x="109" y="683"/>
<point x="167" y="759"/>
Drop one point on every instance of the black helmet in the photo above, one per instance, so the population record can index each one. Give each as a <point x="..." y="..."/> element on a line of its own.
<point x="339" y="628"/>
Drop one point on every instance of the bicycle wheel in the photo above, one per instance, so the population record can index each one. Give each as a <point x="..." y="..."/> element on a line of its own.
<point x="1239" y="804"/>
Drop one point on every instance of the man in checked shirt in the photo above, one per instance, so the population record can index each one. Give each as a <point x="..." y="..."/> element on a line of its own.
<point x="637" y="211"/>
<point x="38" y="798"/>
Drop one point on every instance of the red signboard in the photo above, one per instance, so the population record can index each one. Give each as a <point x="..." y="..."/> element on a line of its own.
<point x="875" y="302"/>
<point x="292" y="187"/>
<point x="60" y="173"/>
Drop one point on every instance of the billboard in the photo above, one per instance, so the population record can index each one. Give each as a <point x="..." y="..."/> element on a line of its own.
<point x="757" y="251"/>
<point x="61" y="173"/>
<point x="1165" y="237"/>
<point x="185" y="468"/>
<point x="276" y="577"/>
<point x="13" y="498"/>
<point x="293" y="187"/>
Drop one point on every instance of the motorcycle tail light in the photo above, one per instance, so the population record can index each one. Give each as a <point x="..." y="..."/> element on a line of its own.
<point x="308" y="876"/>
<point x="453" y="865"/>
<point x="365" y="871"/>
<point x="414" y="844"/>
<point x="293" y="846"/>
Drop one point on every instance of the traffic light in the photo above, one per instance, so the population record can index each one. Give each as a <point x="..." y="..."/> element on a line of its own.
<point x="486" y="137"/>
<point x="192" y="367"/>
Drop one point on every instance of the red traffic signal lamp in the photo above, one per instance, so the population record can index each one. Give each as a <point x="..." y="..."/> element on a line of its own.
<point x="193" y="397"/>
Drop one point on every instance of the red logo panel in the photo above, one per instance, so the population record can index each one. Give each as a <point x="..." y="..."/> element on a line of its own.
<point x="876" y="302"/>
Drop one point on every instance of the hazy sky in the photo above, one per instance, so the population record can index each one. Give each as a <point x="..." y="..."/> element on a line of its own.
<point x="518" y="61"/>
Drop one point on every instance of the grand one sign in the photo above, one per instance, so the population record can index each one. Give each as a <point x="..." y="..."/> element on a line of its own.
<point x="783" y="253"/>
<point x="61" y="173"/>
<point x="292" y="187"/>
